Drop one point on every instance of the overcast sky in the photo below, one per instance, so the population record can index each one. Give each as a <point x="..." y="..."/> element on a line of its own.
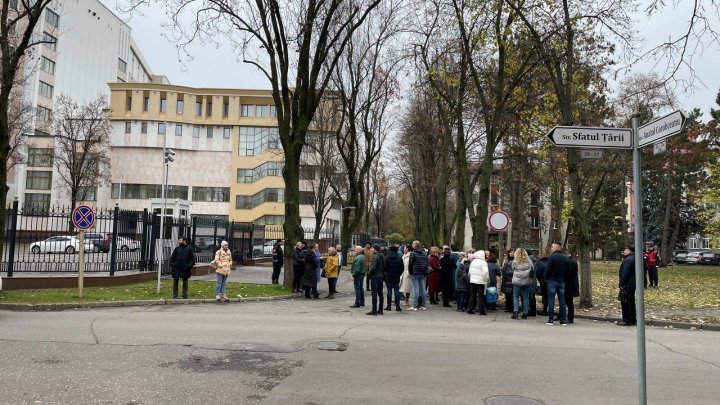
<point x="213" y="66"/>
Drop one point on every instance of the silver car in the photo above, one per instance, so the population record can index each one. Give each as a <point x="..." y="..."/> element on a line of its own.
<point x="693" y="257"/>
<point x="59" y="244"/>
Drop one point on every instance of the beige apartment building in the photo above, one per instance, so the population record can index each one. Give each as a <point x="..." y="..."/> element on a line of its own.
<point x="228" y="160"/>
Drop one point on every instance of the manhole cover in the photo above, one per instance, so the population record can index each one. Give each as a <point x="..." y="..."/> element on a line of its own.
<point x="332" y="346"/>
<point x="511" y="400"/>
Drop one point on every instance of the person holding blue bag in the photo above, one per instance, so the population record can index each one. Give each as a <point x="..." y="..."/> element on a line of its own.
<point x="494" y="271"/>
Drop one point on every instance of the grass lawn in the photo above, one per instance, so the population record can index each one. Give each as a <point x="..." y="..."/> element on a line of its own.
<point x="140" y="291"/>
<point x="682" y="287"/>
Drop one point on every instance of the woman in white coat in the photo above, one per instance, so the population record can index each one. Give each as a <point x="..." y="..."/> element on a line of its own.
<point x="405" y="281"/>
<point x="479" y="276"/>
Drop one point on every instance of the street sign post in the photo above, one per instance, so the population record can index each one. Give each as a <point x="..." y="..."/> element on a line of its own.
<point x="498" y="221"/>
<point x="660" y="129"/>
<point x="591" y="154"/>
<point x="83" y="218"/>
<point x="591" y="137"/>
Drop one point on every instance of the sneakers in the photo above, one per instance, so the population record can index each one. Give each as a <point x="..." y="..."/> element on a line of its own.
<point x="563" y="323"/>
<point x="218" y="297"/>
<point x="524" y="316"/>
<point x="514" y="315"/>
<point x="549" y="323"/>
<point x="225" y="298"/>
<point x="412" y="309"/>
<point x="423" y="309"/>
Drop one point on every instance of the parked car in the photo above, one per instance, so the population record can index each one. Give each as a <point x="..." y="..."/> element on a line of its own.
<point x="710" y="258"/>
<point x="680" y="258"/>
<point x="265" y="249"/>
<point x="60" y="244"/>
<point x="693" y="257"/>
<point x="96" y="239"/>
<point x="124" y="244"/>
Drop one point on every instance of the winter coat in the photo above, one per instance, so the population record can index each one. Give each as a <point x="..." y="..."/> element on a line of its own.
<point x="541" y="269"/>
<point x="463" y="280"/>
<point x="405" y="282"/>
<point x="557" y="267"/>
<point x="572" y="283"/>
<point x="434" y="277"/>
<point x="522" y="274"/>
<point x="393" y="267"/>
<point x="317" y="266"/>
<point x="377" y="267"/>
<point x="182" y="261"/>
<point x="447" y="272"/>
<point x="507" y="274"/>
<point x="358" y="266"/>
<point x="277" y="254"/>
<point x="298" y="259"/>
<point x="479" y="269"/>
<point x="311" y="264"/>
<point x="627" y="273"/>
<point x="223" y="258"/>
<point x="331" y="266"/>
<point x="493" y="273"/>
<point x="418" y="262"/>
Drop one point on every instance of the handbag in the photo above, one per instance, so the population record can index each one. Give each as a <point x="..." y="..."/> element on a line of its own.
<point x="322" y="274"/>
<point x="213" y="265"/>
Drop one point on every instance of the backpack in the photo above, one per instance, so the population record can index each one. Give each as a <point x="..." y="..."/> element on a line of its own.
<point x="491" y="295"/>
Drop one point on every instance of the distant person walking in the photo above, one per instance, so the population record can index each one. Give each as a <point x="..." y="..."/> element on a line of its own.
<point x="277" y="257"/>
<point x="651" y="267"/>
<point x="182" y="261"/>
<point x="331" y="271"/>
<point x="223" y="259"/>
<point x="626" y="286"/>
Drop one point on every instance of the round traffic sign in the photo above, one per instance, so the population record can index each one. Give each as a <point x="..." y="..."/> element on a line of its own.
<point x="498" y="221"/>
<point x="83" y="217"/>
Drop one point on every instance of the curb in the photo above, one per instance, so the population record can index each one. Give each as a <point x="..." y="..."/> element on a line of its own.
<point x="657" y="323"/>
<point x="140" y="303"/>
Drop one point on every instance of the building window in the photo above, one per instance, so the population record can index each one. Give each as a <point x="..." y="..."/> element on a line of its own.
<point x="51" y="17"/>
<point x="37" y="180"/>
<point x="36" y="204"/>
<point x="128" y="127"/>
<point x="534" y="222"/>
<point x="39" y="132"/>
<point x="226" y="109"/>
<point x="307" y="197"/>
<point x="122" y="65"/>
<point x="129" y="100"/>
<point x="145" y="191"/>
<point x="246" y="202"/>
<point x="43" y="114"/>
<point x="161" y="127"/>
<point x="254" y="140"/>
<point x="49" y="41"/>
<point x="45" y="90"/>
<point x="13" y="5"/>
<point x="209" y="132"/>
<point x="226" y="133"/>
<point x="198" y="108"/>
<point x="47" y="66"/>
<point x="143" y="127"/>
<point x="273" y="111"/>
<point x="163" y="105"/>
<point x="307" y="172"/>
<point x="262" y="111"/>
<point x="146" y="103"/>
<point x="180" y="106"/>
<point x="196" y="132"/>
<point x="266" y="169"/>
<point x="555" y="224"/>
<point x="211" y="194"/>
<point x="209" y="108"/>
<point x="88" y="193"/>
<point x="248" y="110"/>
<point x="40" y="157"/>
<point x="271" y="220"/>
<point x="178" y="130"/>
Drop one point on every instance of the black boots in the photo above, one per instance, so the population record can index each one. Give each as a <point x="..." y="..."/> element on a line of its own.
<point x="514" y="315"/>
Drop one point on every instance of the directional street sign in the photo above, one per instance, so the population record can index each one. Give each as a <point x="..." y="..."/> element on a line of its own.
<point x="589" y="137"/>
<point x="83" y="217"/>
<point x="661" y="128"/>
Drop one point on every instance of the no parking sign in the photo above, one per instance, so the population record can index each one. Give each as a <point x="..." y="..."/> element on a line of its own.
<point x="83" y="217"/>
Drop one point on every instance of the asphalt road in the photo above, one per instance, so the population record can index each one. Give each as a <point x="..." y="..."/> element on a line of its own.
<point x="269" y="352"/>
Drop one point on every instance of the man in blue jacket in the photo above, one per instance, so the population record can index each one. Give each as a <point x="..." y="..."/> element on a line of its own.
<point x="557" y="267"/>
<point x="627" y="287"/>
<point x="417" y="267"/>
<point x="394" y="268"/>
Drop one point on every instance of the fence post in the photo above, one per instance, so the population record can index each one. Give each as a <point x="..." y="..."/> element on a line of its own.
<point x="214" y="241"/>
<point x="194" y="232"/>
<point x="252" y="240"/>
<point x="13" y="233"/>
<point x="113" y="246"/>
<point x="142" y="265"/>
<point x="154" y="232"/>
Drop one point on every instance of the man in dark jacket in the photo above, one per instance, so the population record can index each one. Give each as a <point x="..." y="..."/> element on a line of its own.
<point x="298" y="267"/>
<point x="394" y="268"/>
<point x="447" y="276"/>
<point x="627" y="287"/>
<point x="557" y="268"/>
<point x="572" y="287"/>
<point x="376" y="274"/>
<point x="417" y="267"/>
<point x="540" y="271"/>
<point x="277" y="261"/>
<point x="182" y="261"/>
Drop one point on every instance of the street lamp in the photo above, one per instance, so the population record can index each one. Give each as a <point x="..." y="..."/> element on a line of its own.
<point x="167" y="158"/>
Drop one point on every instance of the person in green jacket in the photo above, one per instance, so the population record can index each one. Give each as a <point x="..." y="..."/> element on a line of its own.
<point x="357" y="271"/>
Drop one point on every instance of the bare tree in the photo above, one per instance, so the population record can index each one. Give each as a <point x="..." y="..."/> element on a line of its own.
<point x="82" y="156"/>
<point x="21" y="117"/>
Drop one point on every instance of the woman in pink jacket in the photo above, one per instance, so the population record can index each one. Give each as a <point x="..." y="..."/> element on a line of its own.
<point x="223" y="259"/>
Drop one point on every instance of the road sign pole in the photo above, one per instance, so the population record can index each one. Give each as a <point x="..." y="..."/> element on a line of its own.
<point x="81" y="262"/>
<point x="639" y="264"/>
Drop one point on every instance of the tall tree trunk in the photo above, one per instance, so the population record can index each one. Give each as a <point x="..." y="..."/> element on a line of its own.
<point x="480" y="231"/>
<point x="291" y="228"/>
<point x="665" y="239"/>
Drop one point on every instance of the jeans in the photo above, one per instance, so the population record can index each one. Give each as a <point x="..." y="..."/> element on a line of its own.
<point x="393" y="286"/>
<point x="418" y="287"/>
<point x="221" y="284"/>
<point x="525" y="291"/>
<point x="359" y="292"/>
<point x="559" y="288"/>
<point x="376" y="288"/>
<point x="175" y="287"/>
<point x="461" y="299"/>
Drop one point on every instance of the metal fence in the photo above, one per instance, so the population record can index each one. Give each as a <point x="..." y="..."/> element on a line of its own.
<point x="46" y="241"/>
